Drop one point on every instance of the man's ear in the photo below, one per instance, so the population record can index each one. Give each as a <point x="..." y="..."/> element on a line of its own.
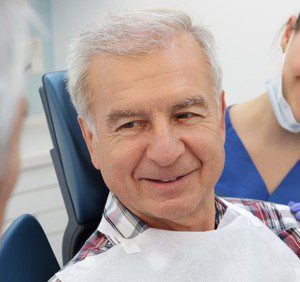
<point x="90" y="140"/>
<point x="222" y="114"/>
<point x="288" y="31"/>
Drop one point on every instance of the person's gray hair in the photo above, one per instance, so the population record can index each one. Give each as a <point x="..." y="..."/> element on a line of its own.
<point x="134" y="34"/>
<point x="14" y="30"/>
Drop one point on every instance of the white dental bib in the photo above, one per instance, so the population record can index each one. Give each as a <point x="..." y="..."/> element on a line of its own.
<point x="241" y="249"/>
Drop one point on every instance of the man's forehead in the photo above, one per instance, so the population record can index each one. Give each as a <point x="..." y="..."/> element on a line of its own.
<point x="176" y="72"/>
<point x="179" y="55"/>
<point x="171" y="103"/>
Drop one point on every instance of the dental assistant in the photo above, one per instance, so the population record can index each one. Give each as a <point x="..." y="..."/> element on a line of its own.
<point x="263" y="135"/>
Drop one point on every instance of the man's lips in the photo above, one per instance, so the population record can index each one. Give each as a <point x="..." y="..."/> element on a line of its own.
<point x="169" y="179"/>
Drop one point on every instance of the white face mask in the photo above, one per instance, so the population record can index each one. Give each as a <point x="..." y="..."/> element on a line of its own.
<point x="281" y="108"/>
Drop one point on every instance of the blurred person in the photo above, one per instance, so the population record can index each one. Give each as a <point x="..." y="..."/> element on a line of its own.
<point x="148" y="90"/>
<point x="15" y="17"/>
<point x="263" y="135"/>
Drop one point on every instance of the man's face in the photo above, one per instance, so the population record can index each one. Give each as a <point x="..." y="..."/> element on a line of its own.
<point x="160" y="138"/>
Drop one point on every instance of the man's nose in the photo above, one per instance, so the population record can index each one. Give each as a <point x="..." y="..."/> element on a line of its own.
<point x="165" y="145"/>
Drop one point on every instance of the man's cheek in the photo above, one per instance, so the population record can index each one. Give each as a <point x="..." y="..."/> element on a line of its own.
<point x="204" y="146"/>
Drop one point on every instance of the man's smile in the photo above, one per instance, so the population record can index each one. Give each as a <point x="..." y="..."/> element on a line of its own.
<point x="171" y="182"/>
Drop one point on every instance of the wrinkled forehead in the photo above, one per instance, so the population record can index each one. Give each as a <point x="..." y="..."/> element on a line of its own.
<point x="181" y="65"/>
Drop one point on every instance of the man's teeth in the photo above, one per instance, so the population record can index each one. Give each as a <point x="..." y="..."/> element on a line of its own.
<point x="168" y="180"/>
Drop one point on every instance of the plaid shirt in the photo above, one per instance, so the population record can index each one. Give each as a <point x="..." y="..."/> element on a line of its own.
<point x="276" y="217"/>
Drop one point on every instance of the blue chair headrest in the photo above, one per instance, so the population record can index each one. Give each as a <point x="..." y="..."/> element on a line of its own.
<point x="86" y="187"/>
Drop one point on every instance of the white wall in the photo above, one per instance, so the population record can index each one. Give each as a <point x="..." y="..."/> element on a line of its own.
<point x="244" y="30"/>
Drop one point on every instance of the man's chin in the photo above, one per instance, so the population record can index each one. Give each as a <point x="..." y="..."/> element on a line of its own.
<point x="171" y="210"/>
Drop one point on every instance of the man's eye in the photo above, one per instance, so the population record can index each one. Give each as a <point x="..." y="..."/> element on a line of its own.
<point x="185" y="115"/>
<point x="138" y="124"/>
<point x="130" y="124"/>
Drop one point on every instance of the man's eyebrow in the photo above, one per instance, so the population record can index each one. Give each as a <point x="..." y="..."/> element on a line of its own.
<point x="197" y="100"/>
<point x="115" y="115"/>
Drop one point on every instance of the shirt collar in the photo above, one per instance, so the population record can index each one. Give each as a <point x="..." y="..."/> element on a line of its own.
<point x="129" y="225"/>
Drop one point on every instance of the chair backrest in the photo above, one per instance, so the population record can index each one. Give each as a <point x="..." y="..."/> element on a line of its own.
<point x="83" y="189"/>
<point x="25" y="253"/>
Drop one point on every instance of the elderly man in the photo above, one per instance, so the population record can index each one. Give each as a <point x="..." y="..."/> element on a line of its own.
<point x="147" y="88"/>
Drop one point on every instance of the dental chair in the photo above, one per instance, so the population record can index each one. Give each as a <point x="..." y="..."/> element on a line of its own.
<point x="82" y="187"/>
<point x="25" y="253"/>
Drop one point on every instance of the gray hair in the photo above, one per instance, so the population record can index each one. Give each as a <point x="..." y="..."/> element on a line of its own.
<point x="14" y="30"/>
<point x="134" y="34"/>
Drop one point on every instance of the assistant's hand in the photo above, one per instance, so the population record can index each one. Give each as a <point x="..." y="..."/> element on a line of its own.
<point x="295" y="209"/>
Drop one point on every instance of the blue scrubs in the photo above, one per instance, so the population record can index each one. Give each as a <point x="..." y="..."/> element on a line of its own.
<point x="241" y="179"/>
